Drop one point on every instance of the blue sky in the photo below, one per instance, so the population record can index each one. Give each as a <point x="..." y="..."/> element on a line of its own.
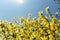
<point x="9" y="8"/>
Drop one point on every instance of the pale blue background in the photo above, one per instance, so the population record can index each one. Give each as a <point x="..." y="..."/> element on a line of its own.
<point x="9" y="9"/>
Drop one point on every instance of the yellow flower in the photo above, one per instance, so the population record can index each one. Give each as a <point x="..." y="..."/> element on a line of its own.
<point x="29" y="17"/>
<point x="40" y="13"/>
<point x="28" y="29"/>
<point x="58" y="34"/>
<point x="31" y="38"/>
<point x="3" y="37"/>
<point x="56" y="13"/>
<point x="0" y="30"/>
<point x="58" y="38"/>
<point x="52" y="26"/>
<point x="47" y="9"/>
<point x="18" y="37"/>
<point x="51" y="37"/>
<point x="44" y="38"/>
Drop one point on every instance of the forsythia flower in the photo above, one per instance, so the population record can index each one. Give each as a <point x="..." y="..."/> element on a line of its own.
<point x="40" y="28"/>
<point x="47" y="9"/>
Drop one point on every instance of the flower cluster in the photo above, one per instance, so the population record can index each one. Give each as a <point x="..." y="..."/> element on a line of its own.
<point x="41" y="28"/>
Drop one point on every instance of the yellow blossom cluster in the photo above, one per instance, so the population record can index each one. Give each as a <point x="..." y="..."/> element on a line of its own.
<point x="41" y="28"/>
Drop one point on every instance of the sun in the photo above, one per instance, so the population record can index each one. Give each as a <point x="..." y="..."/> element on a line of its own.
<point x="20" y="1"/>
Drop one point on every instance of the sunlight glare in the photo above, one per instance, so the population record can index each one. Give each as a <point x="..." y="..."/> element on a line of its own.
<point x="20" y="1"/>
